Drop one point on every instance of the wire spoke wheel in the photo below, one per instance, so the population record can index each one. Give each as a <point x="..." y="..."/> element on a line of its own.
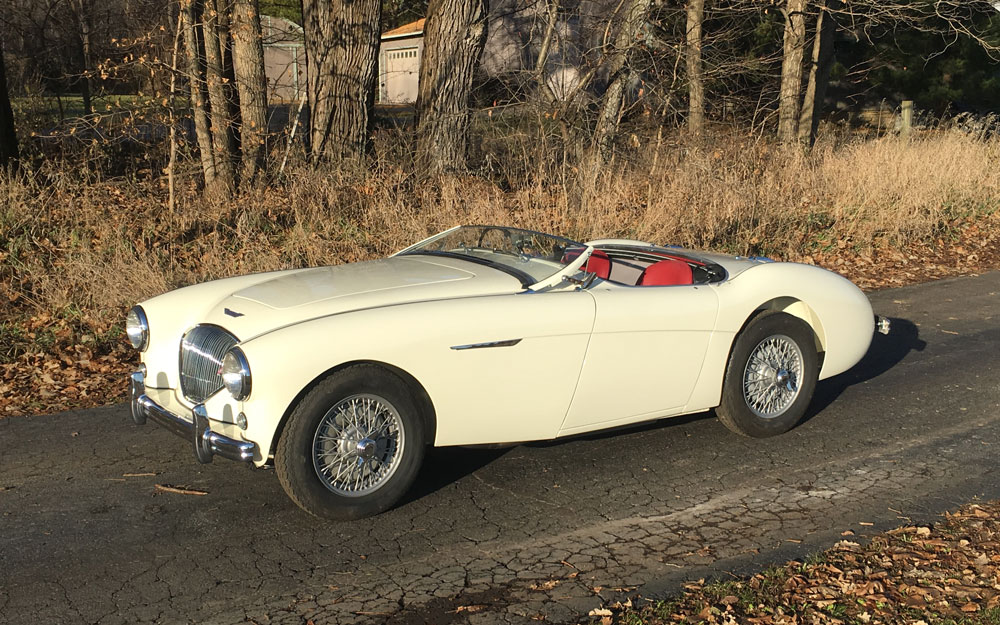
<point x="358" y="445"/>
<point x="773" y="376"/>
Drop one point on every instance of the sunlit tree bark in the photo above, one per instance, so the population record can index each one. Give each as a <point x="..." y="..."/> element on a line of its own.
<point x="223" y="142"/>
<point x="819" y="73"/>
<point x="342" y="42"/>
<point x="696" y="80"/>
<point x="619" y="72"/>
<point x="791" y="70"/>
<point x="248" y="63"/>
<point x="195" y="66"/>
<point x="454" y="36"/>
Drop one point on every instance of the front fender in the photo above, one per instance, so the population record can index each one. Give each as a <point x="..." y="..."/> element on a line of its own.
<point x="173" y="313"/>
<point x="496" y="394"/>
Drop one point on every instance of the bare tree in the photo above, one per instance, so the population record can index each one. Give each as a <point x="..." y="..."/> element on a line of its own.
<point x="619" y="72"/>
<point x="219" y="96"/>
<point x="195" y="72"/>
<point x="248" y="63"/>
<point x="8" y="138"/>
<point x="791" y="70"/>
<point x="84" y="14"/>
<point x="342" y="42"/>
<point x="799" y="113"/>
<point x="819" y="72"/>
<point x="454" y="36"/>
<point x="551" y="21"/>
<point x="696" y="80"/>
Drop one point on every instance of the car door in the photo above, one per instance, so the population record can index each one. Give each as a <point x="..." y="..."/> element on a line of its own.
<point x="645" y="354"/>
<point x="501" y="368"/>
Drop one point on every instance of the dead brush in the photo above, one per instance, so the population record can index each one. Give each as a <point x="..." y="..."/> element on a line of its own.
<point x="95" y="248"/>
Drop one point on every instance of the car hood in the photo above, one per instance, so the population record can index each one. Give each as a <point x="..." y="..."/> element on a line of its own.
<point x="290" y="297"/>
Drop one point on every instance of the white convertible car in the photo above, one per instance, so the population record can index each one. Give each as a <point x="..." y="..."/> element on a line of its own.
<point x="342" y="376"/>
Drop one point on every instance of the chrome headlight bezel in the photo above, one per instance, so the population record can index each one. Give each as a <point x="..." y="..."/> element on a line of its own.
<point x="137" y="328"/>
<point x="235" y="373"/>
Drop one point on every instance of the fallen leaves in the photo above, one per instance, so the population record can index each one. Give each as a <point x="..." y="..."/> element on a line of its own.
<point x="64" y="367"/>
<point x="547" y="585"/>
<point x="945" y="572"/>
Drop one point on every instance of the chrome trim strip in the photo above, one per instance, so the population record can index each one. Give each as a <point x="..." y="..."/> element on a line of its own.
<point x="206" y="443"/>
<point x="507" y="343"/>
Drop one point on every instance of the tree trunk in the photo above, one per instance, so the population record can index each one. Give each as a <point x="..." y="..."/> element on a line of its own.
<point x="83" y="11"/>
<point x="454" y="36"/>
<point x="172" y="163"/>
<point x="224" y="147"/>
<point x="551" y="20"/>
<point x="619" y="71"/>
<point x="819" y="73"/>
<point x="248" y="63"/>
<point x="791" y="70"/>
<point x="196" y="82"/>
<point x="8" y="138"/>
<point x="342" y="43"/>
<point x="696" y="81"/>
<point x="222" y="8"/>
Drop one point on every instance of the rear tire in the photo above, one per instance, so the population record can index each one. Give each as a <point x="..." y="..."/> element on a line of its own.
<point x="352" y="446"/>
<point x="770" y="377"/>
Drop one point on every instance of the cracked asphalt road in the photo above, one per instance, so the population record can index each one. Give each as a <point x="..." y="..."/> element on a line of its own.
<point x="543" y="531"/>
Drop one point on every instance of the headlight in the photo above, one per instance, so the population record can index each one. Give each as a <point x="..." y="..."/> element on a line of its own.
<point x="137" y="328"/>
<point x="236" y="374"/>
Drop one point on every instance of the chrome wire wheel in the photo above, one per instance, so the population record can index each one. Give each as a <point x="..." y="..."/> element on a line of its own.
<point x="773" y="376"/>
<point x="358" y="445"/>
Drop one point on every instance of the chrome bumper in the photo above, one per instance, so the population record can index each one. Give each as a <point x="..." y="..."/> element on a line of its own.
<point x="206" y="443"/>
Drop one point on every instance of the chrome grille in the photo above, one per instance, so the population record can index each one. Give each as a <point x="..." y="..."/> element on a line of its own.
<point x="202" y="349"/>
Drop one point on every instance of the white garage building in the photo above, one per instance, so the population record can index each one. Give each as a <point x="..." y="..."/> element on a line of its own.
<point x="399" y="63"/>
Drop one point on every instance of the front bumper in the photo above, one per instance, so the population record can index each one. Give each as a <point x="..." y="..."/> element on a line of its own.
<point x="206" y="443"/>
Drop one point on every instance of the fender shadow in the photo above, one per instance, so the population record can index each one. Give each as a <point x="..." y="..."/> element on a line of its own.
<point x="444" y="466"/>
<point x="886" y="351"/>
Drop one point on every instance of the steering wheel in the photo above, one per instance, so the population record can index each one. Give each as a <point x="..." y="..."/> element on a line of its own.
<point x="504" y="231"/>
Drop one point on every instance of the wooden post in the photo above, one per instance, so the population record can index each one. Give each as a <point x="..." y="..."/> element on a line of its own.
<point x="907" y="118"/>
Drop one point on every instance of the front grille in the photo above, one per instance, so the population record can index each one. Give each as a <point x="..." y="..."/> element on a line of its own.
<point x="202" y="349"/>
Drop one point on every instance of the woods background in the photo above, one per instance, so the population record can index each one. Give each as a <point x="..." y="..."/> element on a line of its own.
<point x="140" y="152"/>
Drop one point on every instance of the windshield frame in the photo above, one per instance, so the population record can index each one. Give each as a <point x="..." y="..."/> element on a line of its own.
<point x="528" y="281"/>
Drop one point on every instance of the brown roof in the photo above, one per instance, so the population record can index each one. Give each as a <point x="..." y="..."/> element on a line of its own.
<point x="413" y="28"/>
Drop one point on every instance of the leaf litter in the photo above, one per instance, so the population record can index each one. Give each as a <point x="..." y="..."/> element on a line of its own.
<point x="945" y="573"/>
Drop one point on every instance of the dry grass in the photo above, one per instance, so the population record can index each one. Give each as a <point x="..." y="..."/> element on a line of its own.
<point x="85" y="251"/>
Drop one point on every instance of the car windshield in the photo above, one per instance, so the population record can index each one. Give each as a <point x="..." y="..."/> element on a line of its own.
<point x="530" y="256"/>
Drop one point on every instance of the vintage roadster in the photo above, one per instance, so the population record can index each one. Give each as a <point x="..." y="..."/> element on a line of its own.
<point x="342" y="376"/>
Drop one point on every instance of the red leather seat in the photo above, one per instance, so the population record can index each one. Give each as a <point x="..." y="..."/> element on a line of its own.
<point x="666" y="273"/>
<point x="599" y="263"/>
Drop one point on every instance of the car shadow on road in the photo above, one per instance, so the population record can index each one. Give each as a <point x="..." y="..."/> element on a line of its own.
<point x="446" y="465"/>
<point x="886" y="352"/>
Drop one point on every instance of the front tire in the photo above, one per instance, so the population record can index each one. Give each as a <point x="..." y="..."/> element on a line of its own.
<point x="352" y="446"/>
<point x="770" y="377"/>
